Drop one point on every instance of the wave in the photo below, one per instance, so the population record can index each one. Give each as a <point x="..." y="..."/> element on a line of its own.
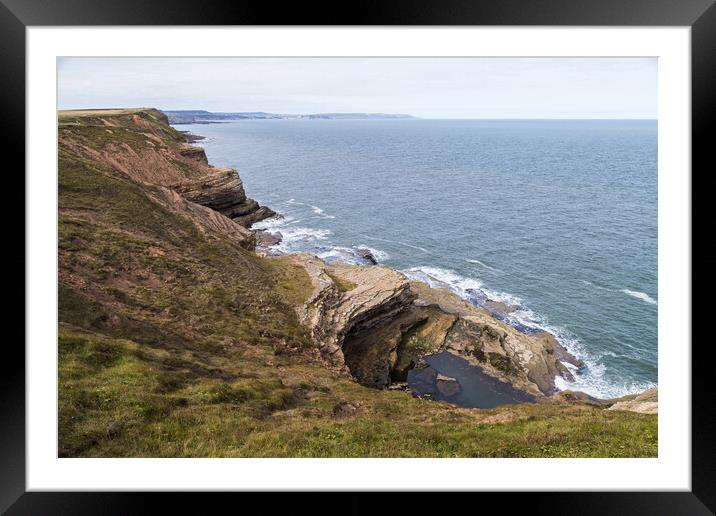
<point x="633" y="293"/>
<point x="320" y="212"/>
<point x="291" y="234"/>
<point x="478" y="262"/>
<point x="301" y="238"/>
<point x="639" y="295"/>
<point x="273" y="223"/>
<point x="436" y="277"/>
<point x="597" y="286"/>
<point x="353" y="255"/>
<point x="304" y="234"/>
<point x="598" y="386"/>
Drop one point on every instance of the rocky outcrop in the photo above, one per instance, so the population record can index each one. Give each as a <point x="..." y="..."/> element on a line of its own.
<point x="193" y="153"/>
<point x="267" y="239"/>
<point x="349" y="301"/>
<point x="221" y="189"/>
<point x="528" y="362"/>
<point x="378" y="325"/>
<point x="446" y="385"/>
<point x="645" y="403"/>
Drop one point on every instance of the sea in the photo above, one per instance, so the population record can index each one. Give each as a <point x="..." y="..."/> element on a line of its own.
<point x="557" y="218"/>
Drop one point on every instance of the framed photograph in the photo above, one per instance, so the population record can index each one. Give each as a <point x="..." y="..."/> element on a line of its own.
<point x="427" y="247"/>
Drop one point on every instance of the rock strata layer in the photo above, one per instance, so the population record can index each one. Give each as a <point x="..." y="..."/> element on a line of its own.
<point x="221" y="189"/>
<point x="349" y="300"/>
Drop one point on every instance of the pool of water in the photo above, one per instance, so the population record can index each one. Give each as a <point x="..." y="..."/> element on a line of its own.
<point x="471" y="388"/>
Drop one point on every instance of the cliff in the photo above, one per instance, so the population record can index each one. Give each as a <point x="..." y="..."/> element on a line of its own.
<point x="177" y="339"/>
<point x="141" y="145"/>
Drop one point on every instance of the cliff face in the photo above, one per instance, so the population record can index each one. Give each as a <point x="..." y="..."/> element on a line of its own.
<point x="141" y="145"/>
<point x="222" y="190"/>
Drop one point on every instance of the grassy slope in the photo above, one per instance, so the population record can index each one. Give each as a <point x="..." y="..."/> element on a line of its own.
<point x="174" y="343"/>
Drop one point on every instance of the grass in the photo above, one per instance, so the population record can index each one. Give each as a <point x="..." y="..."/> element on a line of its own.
<point x="342" y="284"/>
<point x="178" y="343"/>
<point x="118" y="398"/>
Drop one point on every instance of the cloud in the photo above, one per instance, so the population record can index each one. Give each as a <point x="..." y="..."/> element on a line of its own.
<point x="428" y="87"/>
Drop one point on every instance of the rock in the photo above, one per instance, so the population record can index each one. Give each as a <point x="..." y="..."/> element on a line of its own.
<point x="645" y="403"/>
<point x="193" y="153"/>
<point x="255" y="215"/>
<point x="446" y="385"/>
<point x="499" y="306"/>
<point x="162" y="157"/>
<point x="399" y="386"/>
<point x="367" y="255"/>
<point x="266" y="239"/>
<point x="577" y="397"/>
<point x="345" y="409"/>
<point x="529" y="362"/>
<point x="221" y="189"/>
<point x="378" y="325"/>
<point x="349" y="301"/>
<point x="476" y="296"/>
<point x="206" y="220"/>
<point x="192" y="138"/>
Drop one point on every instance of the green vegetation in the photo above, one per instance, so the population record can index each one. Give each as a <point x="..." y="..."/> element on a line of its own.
<point x="343" y="285"/>
<point x="97" y="129"/>
<point x="501" y="362"/>
<point x="119" y="398"/>
<point x="175" y="342"/>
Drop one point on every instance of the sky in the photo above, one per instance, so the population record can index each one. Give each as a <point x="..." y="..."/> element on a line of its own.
<point x="422" y="87"/>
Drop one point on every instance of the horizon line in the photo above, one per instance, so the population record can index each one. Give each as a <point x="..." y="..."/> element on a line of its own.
<point x="378" y="113"/>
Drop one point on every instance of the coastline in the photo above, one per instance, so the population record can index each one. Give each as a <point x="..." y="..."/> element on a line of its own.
<point x="177" y="339"/>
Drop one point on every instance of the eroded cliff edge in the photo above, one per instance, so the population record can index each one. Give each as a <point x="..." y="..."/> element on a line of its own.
<point x="142" y="145"/>
<point x="369" y="323"/>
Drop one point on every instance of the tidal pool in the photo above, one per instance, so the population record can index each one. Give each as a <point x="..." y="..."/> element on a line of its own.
<point x="472" y="387"/>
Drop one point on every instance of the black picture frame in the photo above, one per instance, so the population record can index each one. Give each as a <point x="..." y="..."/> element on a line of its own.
<point x="17" y="15"/>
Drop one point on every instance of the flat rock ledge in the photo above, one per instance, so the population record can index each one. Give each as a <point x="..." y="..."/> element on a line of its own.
<point x="645" y="403"/>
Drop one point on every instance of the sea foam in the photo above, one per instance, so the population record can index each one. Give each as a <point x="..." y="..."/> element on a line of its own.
<point x="639" y="295"/>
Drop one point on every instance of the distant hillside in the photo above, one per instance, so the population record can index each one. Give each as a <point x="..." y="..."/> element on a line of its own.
<point x="201" y="116"/>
